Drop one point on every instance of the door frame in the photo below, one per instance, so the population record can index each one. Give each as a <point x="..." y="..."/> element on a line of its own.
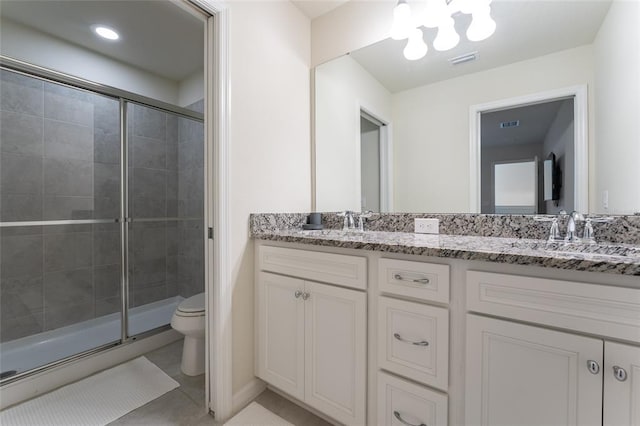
<point x="580" y="139"/>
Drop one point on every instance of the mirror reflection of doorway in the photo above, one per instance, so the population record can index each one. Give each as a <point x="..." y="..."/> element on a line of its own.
<point x="526" y="132"/>
<point x="370" y="160"/>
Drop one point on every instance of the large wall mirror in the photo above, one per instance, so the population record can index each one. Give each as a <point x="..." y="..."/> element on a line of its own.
<point x="541" y="119"/>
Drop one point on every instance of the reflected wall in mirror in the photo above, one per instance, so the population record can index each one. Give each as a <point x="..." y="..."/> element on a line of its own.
<point x="426" y="107"/>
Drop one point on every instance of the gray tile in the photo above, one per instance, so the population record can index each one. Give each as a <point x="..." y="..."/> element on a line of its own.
<point x="67" y="229"/>
<point x="21" y="133"/>
<point x="67" y="104"/>
<point x="191" y="184"/>
<point x="106" y="145"/>
<point x="147" y="295"/>
<point x="108" y="306"/>
<point x="172" y="142"/>
<point x="173" y="408"/>
<point x="20" y="174"/>
<point x="148" y="153"/>
<point x="61" y="207"/>
<point x="193" y="387"/>
<point x="149" y="122"/>
<point x="189" y="157"/>
<point x="21" y="230"/>
<point x="68" y="288"/>
<point x="107" y="207"/>
<point x="193" y="207"/>
<point x="106" y="112"/>
<point x="106" y="178"/>
<point x="20" y="255"/>
<point x="68" y="251"/>
<point x="17" y="327"/>
<point x="20" y="207"/>
<point x="68" y="177"/>
<point x="197" y="106"/>
<point x="67" y="140"/>
<point x="20" y="296"/>
<point x="191" y="131"/>
<point x="148" y="272"/>
<point x="173" y="241"/>
<point x="149" y="193"/>
<point x="63" y="316"/>
<point x="107" y="281"/>
<point x="106" y="246"/>
<point x="20" y="93"/>
<point x="149" y="243"/>
<point x="168" y="358"/>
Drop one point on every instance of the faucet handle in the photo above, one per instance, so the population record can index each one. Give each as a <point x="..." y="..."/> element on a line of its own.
<point x="367" y="214"/>
<point x="362" y="217"/>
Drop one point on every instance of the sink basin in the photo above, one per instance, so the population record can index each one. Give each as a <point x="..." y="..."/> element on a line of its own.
<point x="580" y="248"/>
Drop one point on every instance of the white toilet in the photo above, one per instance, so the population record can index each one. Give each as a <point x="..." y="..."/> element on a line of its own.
<point x="188" y="319"/>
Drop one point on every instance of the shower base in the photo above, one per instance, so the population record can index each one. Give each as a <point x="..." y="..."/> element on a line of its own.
<point x="40" y="349"/>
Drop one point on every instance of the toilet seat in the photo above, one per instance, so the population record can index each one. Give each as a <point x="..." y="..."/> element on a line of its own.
<point x="192" y="306"/>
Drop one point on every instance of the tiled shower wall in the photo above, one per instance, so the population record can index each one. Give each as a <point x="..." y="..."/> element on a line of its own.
<point x="60" y="160"/>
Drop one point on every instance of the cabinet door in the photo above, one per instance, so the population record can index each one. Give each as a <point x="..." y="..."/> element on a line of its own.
<point x="523" y="375"/>
<point x="281" y="333"/>
<point x="622" y="390"/>
<point x="335" y="361"/>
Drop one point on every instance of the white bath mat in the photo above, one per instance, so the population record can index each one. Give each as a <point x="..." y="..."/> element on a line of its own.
<point x="255" y="414"/>
<point x="96" y="400"/>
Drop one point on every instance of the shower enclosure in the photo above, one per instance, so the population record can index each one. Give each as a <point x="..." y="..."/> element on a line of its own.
<point x="101" y="216"/>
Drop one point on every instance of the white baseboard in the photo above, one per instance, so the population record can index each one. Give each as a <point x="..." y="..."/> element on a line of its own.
<point x="32" y="386"/>
<point x="247" y="394"/>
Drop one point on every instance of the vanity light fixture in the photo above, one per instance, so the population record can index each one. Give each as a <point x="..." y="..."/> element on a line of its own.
<point x="439" y="14"/>
<point x="106" y="32"/>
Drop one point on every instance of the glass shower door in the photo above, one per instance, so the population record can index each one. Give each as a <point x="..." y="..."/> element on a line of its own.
<point x="166" y="209"/>
<point x="60" y="268"/>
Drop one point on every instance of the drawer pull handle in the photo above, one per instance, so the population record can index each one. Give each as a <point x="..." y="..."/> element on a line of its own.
<point x="421" y="343"/>
<point x="298" y="293"/>
<point x="401" y="420"/>
<point x="413" y="280"/>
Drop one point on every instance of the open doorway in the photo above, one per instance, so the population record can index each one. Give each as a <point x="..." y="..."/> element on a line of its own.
<point x="512" y="141"/>
<point x="374" y="164"/>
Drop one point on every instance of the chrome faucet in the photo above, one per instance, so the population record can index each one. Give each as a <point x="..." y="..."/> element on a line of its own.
<point x="349" y="222"/>
<point x="574" y="217"/>
<point x="361" y="218"/>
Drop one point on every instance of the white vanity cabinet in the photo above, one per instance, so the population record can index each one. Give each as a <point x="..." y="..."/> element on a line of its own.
<point x="311" y="340"/>
<point x="519" y="374"/>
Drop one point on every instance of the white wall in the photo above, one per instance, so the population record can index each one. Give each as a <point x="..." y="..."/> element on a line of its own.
<point x="20" y="42"/>
<point x="355" y="24"/>
<point x="617" y="86"/>
<point x="343" y="87"/>
<point x="269" y="141"/>
<point x="431" y="125"/>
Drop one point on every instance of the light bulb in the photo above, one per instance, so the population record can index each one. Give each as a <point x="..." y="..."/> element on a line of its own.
<point x="435" y="13"/>
<point x="402" y="23"/>
<point x="447" y="37"/>
<point x="482" y="26"/>
<point x="416" y="47"/>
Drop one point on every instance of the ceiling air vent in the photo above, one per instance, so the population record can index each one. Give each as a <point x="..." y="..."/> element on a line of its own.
<point x="507" y="124"/>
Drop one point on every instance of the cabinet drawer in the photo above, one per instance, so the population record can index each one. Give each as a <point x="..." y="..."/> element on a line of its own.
<point x="591" y="308"/>
<point x="348" y="271"/>
<point x="401" y="401"/>
<point x="420" y="280"/>
<point x="413" y="341"/>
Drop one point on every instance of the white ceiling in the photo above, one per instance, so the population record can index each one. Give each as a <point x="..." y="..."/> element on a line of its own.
<point x="535" y="121"/>
<point x="156" y="36"/>
<point x="315" y="8"/>
<point x="525" y="29"/>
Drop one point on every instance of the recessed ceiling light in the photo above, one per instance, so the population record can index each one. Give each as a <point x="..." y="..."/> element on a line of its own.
<point x="106" y="32"/>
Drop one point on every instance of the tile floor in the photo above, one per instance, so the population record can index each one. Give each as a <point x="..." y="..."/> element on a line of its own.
<point x="185" y="406"/>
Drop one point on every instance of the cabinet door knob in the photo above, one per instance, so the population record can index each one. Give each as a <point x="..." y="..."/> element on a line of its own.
<point x="298" y="293"/>
<point x="305" y="296"/>
<point x="593" y="366"/>
<point x="403" y="421"/>
<point x="619" y="373"/>
<point x="413" y="280"/>
<point x="420" y="343"/>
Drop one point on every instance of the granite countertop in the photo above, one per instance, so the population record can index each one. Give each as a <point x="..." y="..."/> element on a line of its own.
<point x="615" y="259"/>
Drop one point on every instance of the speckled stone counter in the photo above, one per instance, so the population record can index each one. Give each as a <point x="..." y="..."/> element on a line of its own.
<point x="615" y="259"/>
